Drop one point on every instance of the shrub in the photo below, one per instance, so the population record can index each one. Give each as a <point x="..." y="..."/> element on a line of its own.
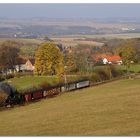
<point x="131" y="71"/>
<point x="116" y="72"/>
<point x="125" y="71"/>
<point x="17" y="75"/>
<point x="44" y="85"/>
<point x="104" y="74"/>
<point x="29" y="89"/>
<point x="2" y="78"/>
<point x="120" y="72"/>
<point x="95" y="77"/>
<point x="3" y="98"/>
<point x="8" y="76"/>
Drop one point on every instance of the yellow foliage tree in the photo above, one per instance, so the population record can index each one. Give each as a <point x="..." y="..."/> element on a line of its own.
<point x="128" y="54"/>
<point x="70" y="62"/>
<point x="48" y="60"/>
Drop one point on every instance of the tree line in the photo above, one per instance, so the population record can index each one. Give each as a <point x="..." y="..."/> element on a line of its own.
<point x="51" y="60"/>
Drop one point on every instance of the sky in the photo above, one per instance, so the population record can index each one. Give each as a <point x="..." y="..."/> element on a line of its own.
<point x="69" y="10"/>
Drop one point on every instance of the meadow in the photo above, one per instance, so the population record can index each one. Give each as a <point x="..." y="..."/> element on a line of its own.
<point x="107" y="36"/>
<point x="22" y="40"/>
<point x="112" y="109"/>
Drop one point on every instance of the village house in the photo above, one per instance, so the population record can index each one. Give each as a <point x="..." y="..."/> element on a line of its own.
<point x="25" y="65"/>
<point x="109" y="59"/>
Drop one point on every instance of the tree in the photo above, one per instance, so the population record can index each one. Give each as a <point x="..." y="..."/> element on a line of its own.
<point x="69" y="60"/>
<point x="48" y="60"/>
<point x="84" y="60"/>
<point x="8" y="55"/>
<point x="128" y="54"/>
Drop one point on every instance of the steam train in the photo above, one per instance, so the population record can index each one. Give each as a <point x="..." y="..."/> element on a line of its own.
<point x="46" y="92"/>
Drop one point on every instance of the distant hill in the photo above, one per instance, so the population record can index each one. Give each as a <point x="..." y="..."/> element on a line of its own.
<point x="38" y="27"/>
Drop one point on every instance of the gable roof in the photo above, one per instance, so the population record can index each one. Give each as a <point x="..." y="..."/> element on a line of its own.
<point x="22" y="60"/>
<point x="110" y="58"/>
<point x="113" y="58"/>
<point x="32" y="60"/>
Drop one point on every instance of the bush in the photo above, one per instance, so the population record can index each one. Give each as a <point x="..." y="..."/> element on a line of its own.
<point x="2" y="78"/>
<point x="29" y="89"/>
<point x="3" y="98"/>
<point x="131" y="71"/>
<point x="116" y="72"/>
<point x="104" y="74"/>
<point x="8" y="76"/>
<point x="18" y="75"/>
<point x="120" y="72"/>
<point x="95" y="77"/>
<point x="44" y="85"/>
<point x="125" y="71"/>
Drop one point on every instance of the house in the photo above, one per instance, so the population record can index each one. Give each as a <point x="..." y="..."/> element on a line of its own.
<point x="25" y="65"/>
<point x="115" y="59"/>
<point x="108" y="59"/>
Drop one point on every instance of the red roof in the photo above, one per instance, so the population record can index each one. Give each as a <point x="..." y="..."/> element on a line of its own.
<point x="113" y="58"/>
<point x="110" y="58"/>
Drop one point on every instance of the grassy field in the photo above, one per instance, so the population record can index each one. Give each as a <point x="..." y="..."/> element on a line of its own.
<point x="111" y="109"/>
<point x="73" y="42"/>
<point x="108" y="36"/>
<point x="22" y="40"/>
<point x="135" y="67"/>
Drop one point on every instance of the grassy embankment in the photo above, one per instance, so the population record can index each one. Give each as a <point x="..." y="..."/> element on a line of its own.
<point x="27" y="82"/>
<point x="109" y="109"/>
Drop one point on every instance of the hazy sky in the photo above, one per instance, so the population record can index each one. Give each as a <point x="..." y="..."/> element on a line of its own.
<point x="69" y="10"/>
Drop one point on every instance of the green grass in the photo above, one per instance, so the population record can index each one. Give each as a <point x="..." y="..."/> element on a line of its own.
<point x="111" y="109"/>
<point x="26" y="82"/>
<point x="133" y="67"/>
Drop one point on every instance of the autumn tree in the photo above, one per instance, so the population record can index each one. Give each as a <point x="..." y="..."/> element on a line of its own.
<point x="69" y="60"/>
<point x="128" y="54"/>
<point x="84" y="60"/>
<point x="9" y="52"/>
<point x="48" y="60"/>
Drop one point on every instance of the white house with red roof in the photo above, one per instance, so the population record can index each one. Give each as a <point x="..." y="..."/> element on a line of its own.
<point x="109" y="59"/>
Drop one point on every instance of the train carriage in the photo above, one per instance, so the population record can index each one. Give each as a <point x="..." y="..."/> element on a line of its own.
<point x="83" y="84"/>
<point x="71" y="86"/>
<point x="37" y="95"/>
<point x="51" y="91"/>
